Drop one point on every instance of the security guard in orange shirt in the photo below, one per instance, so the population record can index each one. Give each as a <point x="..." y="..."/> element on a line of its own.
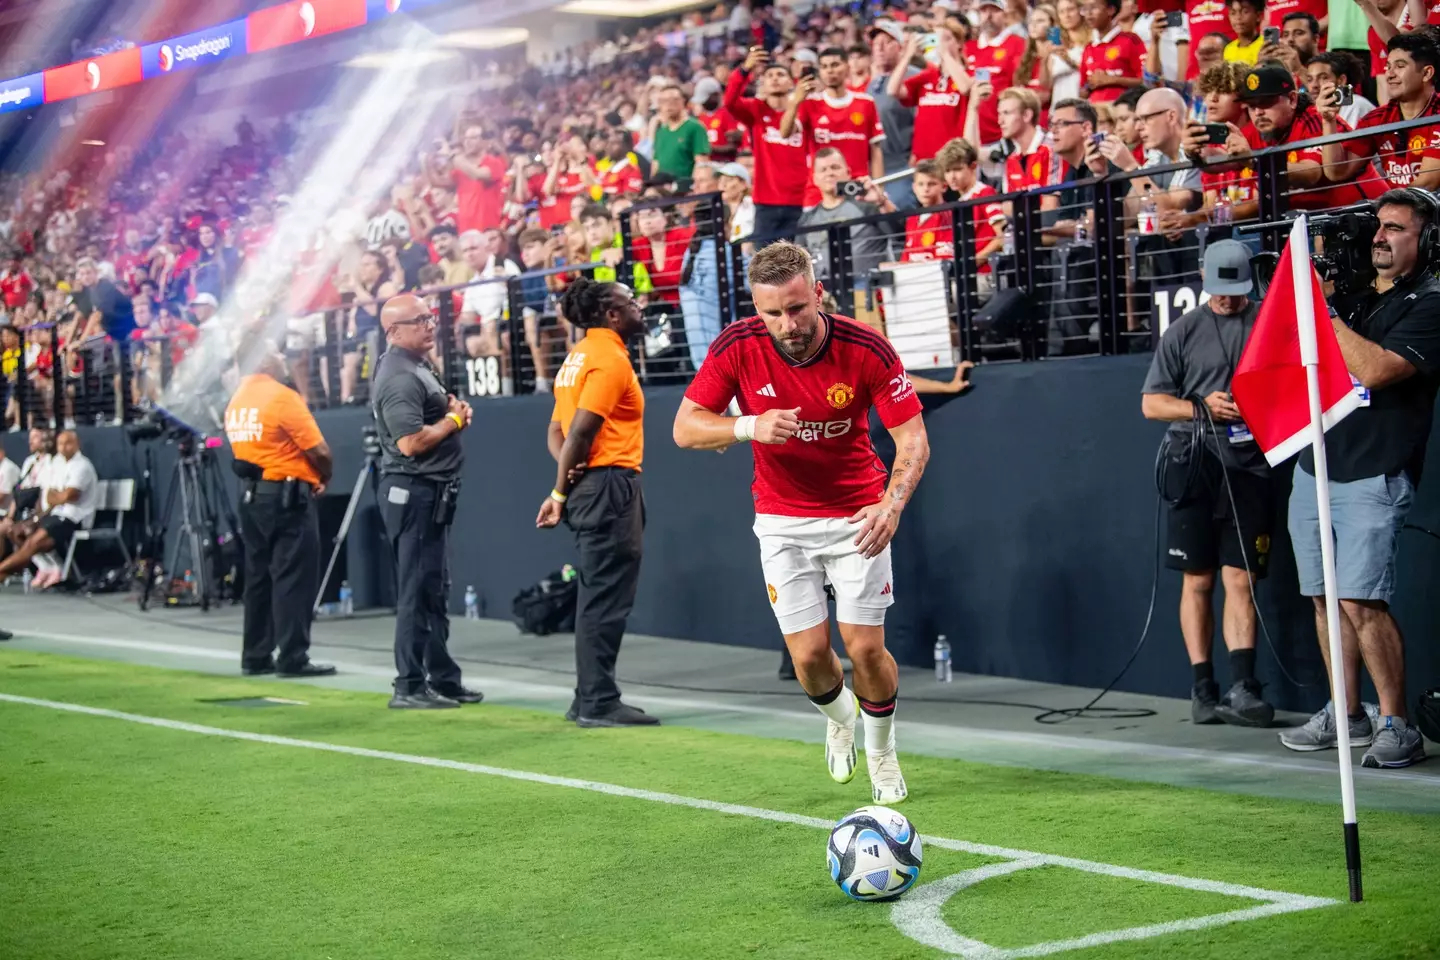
<point x="596" y="436"/>
<point x="273" y="432"/>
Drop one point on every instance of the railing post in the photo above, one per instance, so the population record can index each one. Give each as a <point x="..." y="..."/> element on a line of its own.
<point x="1109" y="261"/>
<point x="125" y="399"/>
<point x="965" y="280"/>
<point x="726" y="291"/>
<point x="837" y="237"/>
<point x="445" y="334"/>
<point x="514" y="309"/>
<point x="1273" y="182"/>
<point x="1027" y="232"/>
<point x="22" y="413"/>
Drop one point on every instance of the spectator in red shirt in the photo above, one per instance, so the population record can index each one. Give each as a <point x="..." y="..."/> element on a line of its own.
<point x="996" y="51"/>
<point x="858" y="58"/>
<point x="620" y="172"/>
<point x="1407" y="158"/>
<point x="938" y="93"/>
<point x="570" y="178"/>
<point x="1238" y="188"/>
<point x="15" y="284"/>
<point x="1115" y="60"/>
<point x="721" y="128"/>
<point x="661" y="248"/>
<point x="836" y="117"/>
<point x="478" y="173"/>
<point x="780" y="173"/>
<point x="928" y="236"/>
<point x="1031" y="164"/>
<point x="959" y="163"/>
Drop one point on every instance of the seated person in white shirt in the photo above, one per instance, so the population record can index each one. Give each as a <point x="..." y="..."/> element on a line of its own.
<point x="69" y="505"/>
<point x="484" y="303"/>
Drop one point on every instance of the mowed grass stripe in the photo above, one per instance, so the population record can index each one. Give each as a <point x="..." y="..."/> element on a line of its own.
<point x="1180" y="831"/>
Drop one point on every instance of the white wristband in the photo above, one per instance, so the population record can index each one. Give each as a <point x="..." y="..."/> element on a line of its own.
<point x="744" y="428"/>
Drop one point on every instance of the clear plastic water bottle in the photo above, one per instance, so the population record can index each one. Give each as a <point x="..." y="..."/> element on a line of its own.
<point x="1082" y="229"/>
<point x="472" y="604"/>
<point x="25" y="579"/>
<point x="1009" y="247"/>
<point x="1148" y="221"/>
<point x="347" y="599"/>
<point x="942" y="659"/>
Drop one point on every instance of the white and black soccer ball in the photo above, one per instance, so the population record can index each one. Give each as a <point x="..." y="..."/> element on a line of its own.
<point x="874" y="854"/>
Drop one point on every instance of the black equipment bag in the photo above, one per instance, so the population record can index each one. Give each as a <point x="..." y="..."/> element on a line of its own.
<point x="547" y="607"/>
<point x="1427" y="714"/>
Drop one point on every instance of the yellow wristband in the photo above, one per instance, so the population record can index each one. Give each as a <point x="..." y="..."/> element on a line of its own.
<point x="558" y="497"/>
<point x="459" y="424"/>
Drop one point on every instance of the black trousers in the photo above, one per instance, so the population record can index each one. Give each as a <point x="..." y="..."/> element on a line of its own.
<point x="421" y="550"/>
<point x="282" y="575"/>
<point x="606" y="510"/>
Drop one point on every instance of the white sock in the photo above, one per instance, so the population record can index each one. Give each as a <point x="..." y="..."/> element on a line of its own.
<point x="45" y="562"/>
<point x="840" y="710"/>
<point x="507" y="386"/>
<point x="879" y="731"/>
<point x="542" y="385"/>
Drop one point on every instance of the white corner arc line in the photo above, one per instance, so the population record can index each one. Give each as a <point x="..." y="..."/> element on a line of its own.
<point x="1275" y="901"/>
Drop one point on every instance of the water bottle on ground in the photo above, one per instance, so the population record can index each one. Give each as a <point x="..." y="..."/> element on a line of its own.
<point x="942" y="659"/>
<point x="25" y="580"/>
<point x="1224" y="211"/>
<point x="347" y="599"/>
<point x="1148" y="221"/>
<point x="472" y="604"/>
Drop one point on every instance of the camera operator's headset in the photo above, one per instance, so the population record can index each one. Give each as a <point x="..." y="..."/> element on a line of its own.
<point x="1430" y="235"/>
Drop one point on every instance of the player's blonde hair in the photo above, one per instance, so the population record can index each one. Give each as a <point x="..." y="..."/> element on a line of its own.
<point x="779" y="263"/>
<point x="1025" y="97"/>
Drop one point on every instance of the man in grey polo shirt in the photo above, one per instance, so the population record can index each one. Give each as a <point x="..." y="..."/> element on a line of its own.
<point x="887" y="44"/>
<point x="1224" y="517"/>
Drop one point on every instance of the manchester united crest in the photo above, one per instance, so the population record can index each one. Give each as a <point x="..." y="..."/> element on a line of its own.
<point x="857" y="118"/>
<point x="1252" y="82"/>
<point x="770" y="589"/>
<point x="840" y="395"/>
<point x="1112" y="54"/>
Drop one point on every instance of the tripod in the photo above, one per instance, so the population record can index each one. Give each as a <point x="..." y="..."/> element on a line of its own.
<point x="369" y="470"/>
<point x="195" y="490"/>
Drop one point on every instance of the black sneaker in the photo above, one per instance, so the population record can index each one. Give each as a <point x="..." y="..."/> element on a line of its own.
<point x="307" y="669"/>
<point x="459" y="693"/>
<point x="6" y="635"/>
<point x="1204" y="698"/>
<point x="426" y="699"/>
<point x="573" y="713"/>
<point x="621" y="715"/>
<point x="1242" y="707"/>
<point x="257" y="669"/>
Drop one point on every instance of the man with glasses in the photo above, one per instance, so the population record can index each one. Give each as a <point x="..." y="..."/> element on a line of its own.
<point x="419" y="429"/>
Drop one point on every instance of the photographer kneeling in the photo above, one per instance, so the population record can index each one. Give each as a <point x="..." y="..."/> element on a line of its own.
<point x="1217" y="484"/>
<point x="1390" y="338"/>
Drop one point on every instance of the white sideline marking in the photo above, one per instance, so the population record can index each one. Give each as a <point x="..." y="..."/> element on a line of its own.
<point x="917" y="917"/>
<point x="1286" y="761"/>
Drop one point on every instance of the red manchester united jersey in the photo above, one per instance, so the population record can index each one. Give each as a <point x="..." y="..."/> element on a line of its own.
<point x="929" y="236"/>
<point x="1000" y="56"/>
<point x="849" y="124"/>
<point x="1204" y="17"/>
<point x="1035" y="167"/>
<point x="830" y="469"/>
<point x="939" y="111"/>
<point x="781" y="173"/>
<point x="555" y="207"/>
<point x="1398" y="154"/>
<point x="1119" y="53"/>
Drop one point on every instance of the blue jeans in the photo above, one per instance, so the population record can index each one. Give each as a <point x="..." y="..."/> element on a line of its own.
<point x="1366" y="516"/>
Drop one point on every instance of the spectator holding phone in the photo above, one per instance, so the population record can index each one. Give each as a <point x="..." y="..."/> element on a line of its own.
<point x="836" y="118"/>
<point x="1231" y="194"/>
<point x="1407" y="157"/>
<point x="939" y="94"/>
<point x="1060" y="70"/>
<point x="959" y="164"/>
<point x="780" y="167"/>
<point x="992" y="58"/>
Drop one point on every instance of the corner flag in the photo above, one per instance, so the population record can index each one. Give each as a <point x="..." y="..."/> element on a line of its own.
<point x="1269" y="382"/>
<point x="1291" y="386"/>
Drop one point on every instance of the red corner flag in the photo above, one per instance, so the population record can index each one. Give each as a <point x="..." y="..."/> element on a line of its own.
<point x="1269" y="384"/>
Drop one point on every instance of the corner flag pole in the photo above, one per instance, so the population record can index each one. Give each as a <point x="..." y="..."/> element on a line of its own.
<point x="1310" y="358"/>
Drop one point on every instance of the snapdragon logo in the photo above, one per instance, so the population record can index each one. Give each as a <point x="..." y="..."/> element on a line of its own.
<point x="12" y="95"/>
<point x="209" y="47"/>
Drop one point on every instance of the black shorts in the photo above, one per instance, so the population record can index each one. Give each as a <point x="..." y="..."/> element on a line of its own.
<point x="61" y="531"/>
<point x="1201" y="534"/>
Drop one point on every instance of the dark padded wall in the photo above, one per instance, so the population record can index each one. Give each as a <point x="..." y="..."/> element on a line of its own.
<point x="1030" y="543"/>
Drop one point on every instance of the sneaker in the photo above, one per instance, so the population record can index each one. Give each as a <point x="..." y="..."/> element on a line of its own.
<point x="840" y="748"/>
<point x="1204" y="697"/>
<point x="621" y="715"/>
<point x="1242" y="706"/>
<point x="1397" y="744"/>
<point x="887" y="786"/>
<point x="1319" y="732"/>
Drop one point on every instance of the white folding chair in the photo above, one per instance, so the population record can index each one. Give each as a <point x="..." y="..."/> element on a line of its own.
<point x="116" y="497"/>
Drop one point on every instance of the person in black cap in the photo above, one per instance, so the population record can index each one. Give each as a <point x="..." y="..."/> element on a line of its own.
<point x="1279" y="114"/>
<point x="1221" y="509"/>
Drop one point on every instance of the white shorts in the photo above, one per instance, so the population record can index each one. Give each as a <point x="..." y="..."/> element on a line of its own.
<point x="800" y="554"/>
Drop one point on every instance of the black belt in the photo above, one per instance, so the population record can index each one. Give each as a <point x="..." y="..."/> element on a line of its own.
<point x="627" y="471"/>
<point x="275" y="486"/>
<point x="436" y="482"/>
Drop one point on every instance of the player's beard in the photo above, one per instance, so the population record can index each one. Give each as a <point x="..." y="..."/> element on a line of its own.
<point x="796" y="346"/>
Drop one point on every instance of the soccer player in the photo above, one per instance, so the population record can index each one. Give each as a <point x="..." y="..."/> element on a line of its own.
<point x="804" y="382"/>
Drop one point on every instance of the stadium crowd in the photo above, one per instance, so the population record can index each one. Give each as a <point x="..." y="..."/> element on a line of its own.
<point x="777" y="108"/>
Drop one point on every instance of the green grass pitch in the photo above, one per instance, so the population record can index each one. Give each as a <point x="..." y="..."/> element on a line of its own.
<point x="124" y="840"/>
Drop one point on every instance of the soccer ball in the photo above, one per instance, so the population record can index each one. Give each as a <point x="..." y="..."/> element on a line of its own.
<point x="874" y="854"/>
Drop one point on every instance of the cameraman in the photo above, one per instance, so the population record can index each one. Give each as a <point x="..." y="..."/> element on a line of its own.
<point x="1390" y="338"/>
<point x="1223" y="516"/>
<point x="271" y="430"/>
<point x="868" y="242"/>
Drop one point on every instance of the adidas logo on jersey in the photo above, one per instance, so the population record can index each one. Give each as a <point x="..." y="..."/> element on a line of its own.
<point x="766" y="391"/>
<point x="885" y="592"/>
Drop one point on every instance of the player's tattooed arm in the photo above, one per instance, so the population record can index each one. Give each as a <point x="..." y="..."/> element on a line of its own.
<point x="912" y="453"/>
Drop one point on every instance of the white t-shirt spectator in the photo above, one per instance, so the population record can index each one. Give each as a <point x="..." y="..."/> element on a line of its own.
<point x="742" y="221"/>
<point x="34" y="471"/>
<point x="487" y="300"/>
<point x="9" y="476"/>
<point x="77" y="473"/>
<point x="1065" y="79"/>
<point x="1186" y="178"/>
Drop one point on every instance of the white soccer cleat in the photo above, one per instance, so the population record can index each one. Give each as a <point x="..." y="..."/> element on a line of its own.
<point x="887" y="785"/>
<point x="840" y="748"/>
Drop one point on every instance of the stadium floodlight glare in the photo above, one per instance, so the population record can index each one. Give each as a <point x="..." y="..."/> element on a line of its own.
<point x="484" y="39"/>
<point x="389" y="59"/>
<point x="629" y="8"/>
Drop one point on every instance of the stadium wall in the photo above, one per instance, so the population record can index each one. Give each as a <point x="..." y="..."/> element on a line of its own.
<point x="1030" y="544"/>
